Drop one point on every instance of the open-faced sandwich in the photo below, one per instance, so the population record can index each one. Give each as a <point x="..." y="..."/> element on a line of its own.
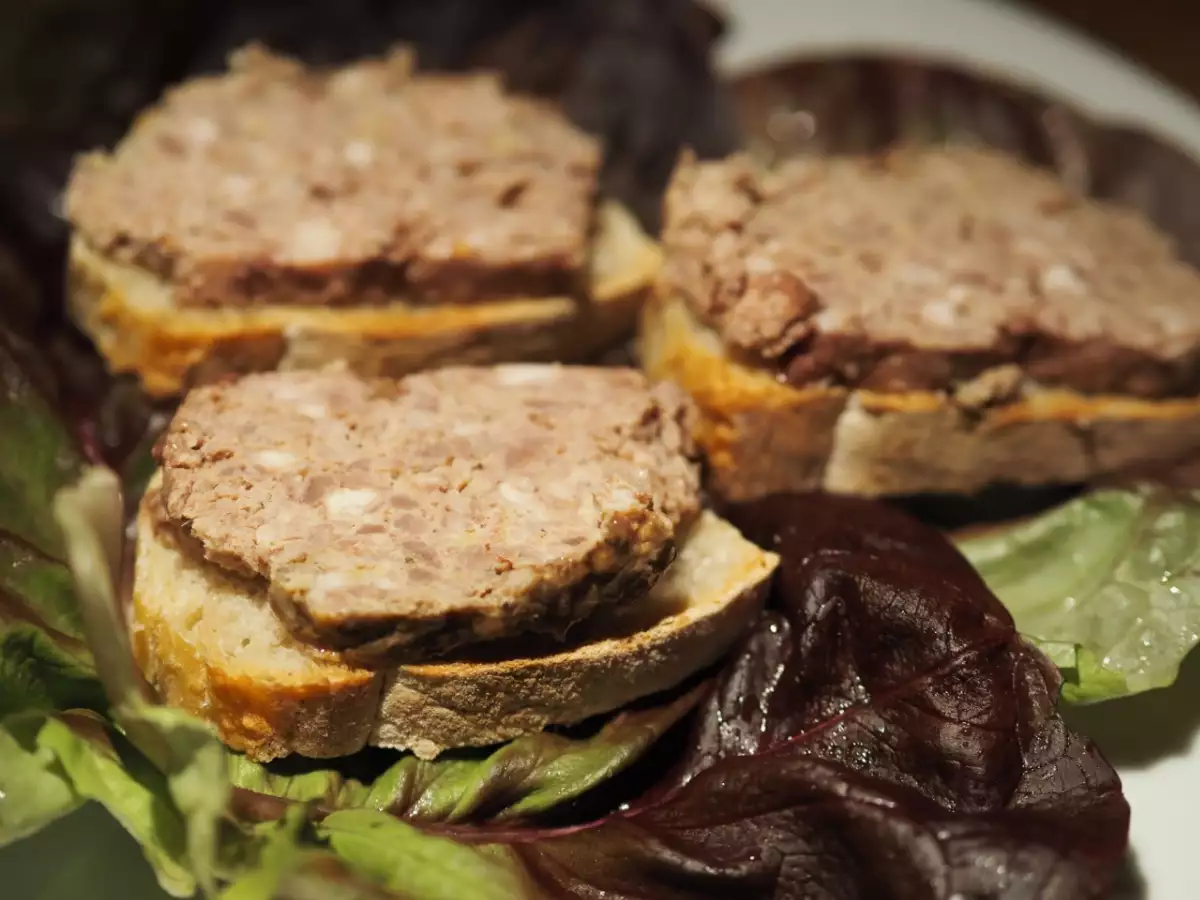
<point x="277" y="216"/>
<point x="929" y="320"/>
<point x="452" y="559"/>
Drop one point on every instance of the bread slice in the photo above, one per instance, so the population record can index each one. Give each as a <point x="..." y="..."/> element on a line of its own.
<point x="763" y="436"/>
<point x="210" y="644"/>
<point x="702" y="605"/>
<point x="133" y="319"/>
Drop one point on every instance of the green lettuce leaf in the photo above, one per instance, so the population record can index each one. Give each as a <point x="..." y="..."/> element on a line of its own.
<point x="319" y="874"/>
<point x="279" y="858"/>
<point x="38" y="456"/>
<point x="45" y="663"/>
<point x="523" y="778"/>
<point x="51" y="762"/>
<point x="165" y="787"/>
<point x="43" y="588"/>
<point x="1085" y="679"/>
<point x="184" y="752"/>
<point x="49" y="765"/>
<point x="193" y="762"/>
<point x="1107" y="584"/>
<point x="421" y="866"/>
<point x="90" y="516"/>
<point x="34" y="790"/>
<point x="132" y="792"/>
<point x="37" y="674"/>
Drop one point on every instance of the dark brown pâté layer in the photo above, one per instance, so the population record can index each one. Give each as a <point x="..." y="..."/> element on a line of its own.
<point x="400" y="518"/>
<point x="278" y="184"/>
<point x="922" y="269"/>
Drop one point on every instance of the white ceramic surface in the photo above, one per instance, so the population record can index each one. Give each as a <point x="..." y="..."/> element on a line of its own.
<point x="1154" y="739"/>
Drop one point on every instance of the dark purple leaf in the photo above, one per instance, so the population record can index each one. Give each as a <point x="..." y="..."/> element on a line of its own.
<point x="884" y="734"/>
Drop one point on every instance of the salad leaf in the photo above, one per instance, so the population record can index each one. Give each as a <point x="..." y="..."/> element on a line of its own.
<point x="523" y="778"/>
<point x="90" y="515"/>
<point x="322" y="875"/>
<point x="42" y="586"/>
<point x="184" y="752"/>
<point x="1085" y="677"/>
<point x="886" y="733"/>
<point x="131" y="794"/>
<point x="37" y="674"/>
<point x="197" y="782"/>
<point x="33" y="790"/>
<point x="1109" y="583"/>
<point x="38" y="455"/>
<point x="279" y="857"/>
<point x="49" y="765"/>
<point x="45" y="664"/>
<point x="420" y="866"/>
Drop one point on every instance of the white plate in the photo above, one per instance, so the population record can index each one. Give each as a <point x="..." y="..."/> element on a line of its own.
<point x="984" y="33"/>
<point x="1153" y="739"/>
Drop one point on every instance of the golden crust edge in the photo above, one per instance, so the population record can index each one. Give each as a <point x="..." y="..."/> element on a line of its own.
<point x="523" y="696"/>
<point x="129" y="315"/>
<point x="321" y="717"/>
<point x="763" y="436"/>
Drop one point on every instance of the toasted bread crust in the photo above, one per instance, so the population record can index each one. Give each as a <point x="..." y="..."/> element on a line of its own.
<point x="326" y="713"/>
<point x="298" y="700"/>
<point x="430" y="708"/>
<point x="762" y="436"/>
<point x="131" y="316"/>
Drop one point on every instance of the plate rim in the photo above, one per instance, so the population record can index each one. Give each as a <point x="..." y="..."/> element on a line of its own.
<point x="999" y="38"/>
